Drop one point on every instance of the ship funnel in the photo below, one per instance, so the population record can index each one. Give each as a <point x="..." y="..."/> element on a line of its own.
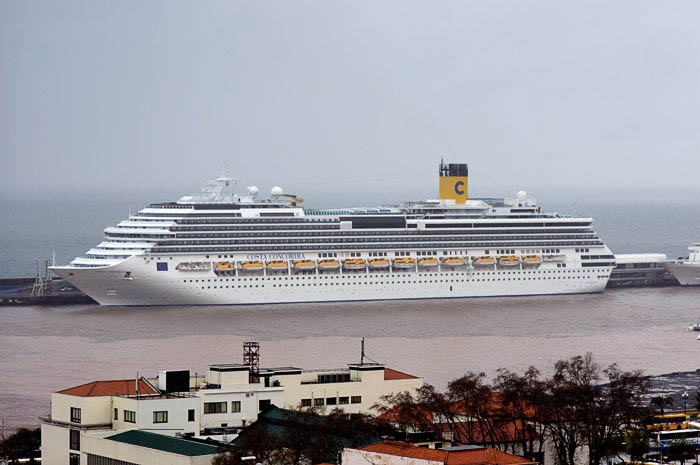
<point x="454" y="179"/>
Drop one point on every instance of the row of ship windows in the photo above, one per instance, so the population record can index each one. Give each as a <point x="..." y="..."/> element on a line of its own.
<point x="433" y="253"/>
<point x="383" y="237"/>
<point x="366" y="240"/>
<point x="362" y="276"/>
<point x="166" y="250"/>
<point x="364" y="234"/>
<point x="245" y="227"/>
<point x="383" y="232"/>
<point x="414" y="281"/>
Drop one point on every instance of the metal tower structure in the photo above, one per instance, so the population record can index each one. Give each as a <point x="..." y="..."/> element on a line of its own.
<point x="251" y="357"/>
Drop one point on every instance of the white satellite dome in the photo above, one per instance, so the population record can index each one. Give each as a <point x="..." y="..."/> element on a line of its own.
<point x="522" y="196"/>
<point x="252" y="190"/>
<point x="277" y="190"/>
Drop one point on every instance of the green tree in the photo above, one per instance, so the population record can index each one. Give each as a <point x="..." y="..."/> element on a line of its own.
<point x="637" y="443"/>
<point x="23" y="444"/>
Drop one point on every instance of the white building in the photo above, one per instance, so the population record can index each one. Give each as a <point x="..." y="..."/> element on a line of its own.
<point x="144" y="448"/>
<point x="217" y="405"/>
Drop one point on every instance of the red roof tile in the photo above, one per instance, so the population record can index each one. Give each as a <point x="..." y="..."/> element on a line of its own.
<point x="118" y="387"/>
<point x="484" y="456"/>
<point x="391" y="375"/>
<point x="403" y="449"/>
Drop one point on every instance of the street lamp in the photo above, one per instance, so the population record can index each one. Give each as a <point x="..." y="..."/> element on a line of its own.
<point x="685" y="402"/>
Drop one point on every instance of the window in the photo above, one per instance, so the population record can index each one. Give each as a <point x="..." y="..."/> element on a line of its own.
<point x="343" y="400"/>
<point x="74" y="440"/>
<point x="356" y="399"/>
<point x="214" y="407"/>
<point x="129" y="416"/>
<point x="160" y="416"/>
<point x="235" y="406"/>
<point x="318" y="402"/>
<point x="190" y="415"/>
<point x="306" y="402"/>
<point x="74" y="459"/>
<point x="75" y="414"/>
<point x="116" y="414"/>
<point x="264" y="403"/>
<point x="330" y="401"/>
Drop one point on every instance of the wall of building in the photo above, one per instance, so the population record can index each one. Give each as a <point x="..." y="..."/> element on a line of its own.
<point x="248" y="398"/>
<point x="361" y="457"/>
<point x="177" y="409"/>
<point x="94" y="410"/>
<point x="121" y="404"/>
<point x="54" y="444"/>
<point x="370" y="385"/>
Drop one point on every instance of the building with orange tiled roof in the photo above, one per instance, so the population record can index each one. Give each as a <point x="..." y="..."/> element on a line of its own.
<point x="222" y="402"/>
<point x="401" y="453"/>
<point x="116" y="387"/>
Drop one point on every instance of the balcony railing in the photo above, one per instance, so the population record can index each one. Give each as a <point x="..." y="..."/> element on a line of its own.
<point x="66" y="424"/>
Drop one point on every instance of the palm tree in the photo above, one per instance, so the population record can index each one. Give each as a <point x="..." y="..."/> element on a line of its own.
<point x="660" y="402"/>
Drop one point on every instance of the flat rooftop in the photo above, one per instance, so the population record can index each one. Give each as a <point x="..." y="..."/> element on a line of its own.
<point x="164" y="443"/>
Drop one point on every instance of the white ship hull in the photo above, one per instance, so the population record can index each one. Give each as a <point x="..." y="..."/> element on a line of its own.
<point x="687" y="274"/>
<point x="146" y="285"/>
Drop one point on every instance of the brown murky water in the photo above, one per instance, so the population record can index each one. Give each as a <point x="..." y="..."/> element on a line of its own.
<point x="47" y="349"/>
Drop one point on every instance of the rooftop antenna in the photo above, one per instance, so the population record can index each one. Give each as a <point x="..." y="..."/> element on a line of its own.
<point x="362" y="355"/>
<point x="137" y="384"/>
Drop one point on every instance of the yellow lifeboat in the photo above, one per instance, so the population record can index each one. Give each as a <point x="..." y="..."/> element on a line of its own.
<point x="427" y="262"/>
<point x="379" y="263"/>
<point x="354" y="264"/>
<point x="304" y="265"/>
<point x="329" y="264"/>
<point x="453" y="261"/>
<point x="531" y="260"/>
<point x="509" y="260"/>
<point x="404" y="262"/>
<point x="484" y="260"/>
<point x="224" y="266"/>
<point x="277" y="265"/>
<point x="252" y="265"/>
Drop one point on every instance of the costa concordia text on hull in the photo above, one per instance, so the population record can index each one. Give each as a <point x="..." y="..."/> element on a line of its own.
<point x="216" y="248"/>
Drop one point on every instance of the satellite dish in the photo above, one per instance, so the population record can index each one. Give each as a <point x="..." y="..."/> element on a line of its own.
<point x="277" y="190"/>
<point x="252" y="190"/>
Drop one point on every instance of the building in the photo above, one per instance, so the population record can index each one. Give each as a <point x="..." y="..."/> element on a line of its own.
<point x="80" y="410"/>
<point x="640" y="270"/>
<point x="218" y="405"/>
<point x="136" y="447"/>
<point x="287" y="425"/>
<point x="401" y="453"/>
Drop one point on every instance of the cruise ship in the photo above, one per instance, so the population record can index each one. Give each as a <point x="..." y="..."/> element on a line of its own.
<point x="686" y="269"/>
<point x="222" y="248"/>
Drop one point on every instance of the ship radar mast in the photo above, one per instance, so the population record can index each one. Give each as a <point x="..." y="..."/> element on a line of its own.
<point x="213" y="189"/>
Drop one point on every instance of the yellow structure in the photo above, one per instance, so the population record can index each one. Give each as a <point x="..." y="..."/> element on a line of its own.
<point x="454" y="180"/>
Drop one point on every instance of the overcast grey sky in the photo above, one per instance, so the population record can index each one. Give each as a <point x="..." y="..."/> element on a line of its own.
<point x="352" y="96"/>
